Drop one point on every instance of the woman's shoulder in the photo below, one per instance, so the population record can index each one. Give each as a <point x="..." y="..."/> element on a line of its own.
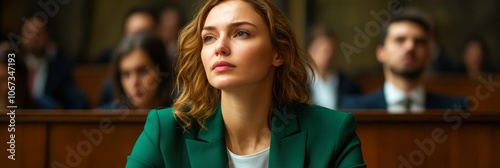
<point x="163" y="118"/>
<point x="316" y="111"/>
<point x="167" y="112"/>
<point x="163" y="114"/>
<point x="321" y="117"/>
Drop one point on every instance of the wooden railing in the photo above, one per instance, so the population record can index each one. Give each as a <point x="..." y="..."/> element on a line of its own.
<point x="433" y="139"/>
<point x="63" y="139"/>
<point x="104" y="138"/>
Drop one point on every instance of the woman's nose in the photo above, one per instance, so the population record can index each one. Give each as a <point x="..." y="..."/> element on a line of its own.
<point x="222" y="47"/>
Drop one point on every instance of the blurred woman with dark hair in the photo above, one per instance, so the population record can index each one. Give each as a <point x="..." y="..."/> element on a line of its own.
<point x="330" y="84"/>
<point x="475" y="58"/>
<point x="142" y="77"/>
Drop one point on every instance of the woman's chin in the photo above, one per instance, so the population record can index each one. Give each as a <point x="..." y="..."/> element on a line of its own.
<point x="226" y="85"/>
<point x="221" y="86"/>
<point x="222" y="83"/>
<point x="138" y="102"/>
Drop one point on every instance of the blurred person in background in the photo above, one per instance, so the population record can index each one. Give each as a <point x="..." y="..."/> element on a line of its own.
<point x="170" y="23"/>
<point x="404" y="53"/>
<point x="50" y="76"/>
<point x="439" y="59"/>
<point x="329" y="85"/>
<point x="140" y="73"/>
<point x="141" y="19"/>
<point x="136" y="20"/>
<point x="475" y="58"/>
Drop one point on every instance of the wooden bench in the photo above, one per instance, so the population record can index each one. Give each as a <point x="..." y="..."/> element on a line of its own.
<point x="433" y="139"/>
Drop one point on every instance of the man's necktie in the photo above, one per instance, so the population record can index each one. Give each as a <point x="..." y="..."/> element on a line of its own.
<point x="407" y="103"/>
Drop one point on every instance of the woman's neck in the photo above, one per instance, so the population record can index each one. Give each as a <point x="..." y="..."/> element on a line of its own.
<point x="246" y="114"/>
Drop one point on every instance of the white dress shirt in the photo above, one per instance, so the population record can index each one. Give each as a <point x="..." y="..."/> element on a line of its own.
<point x="324" y="92"/>
<point x="40" y="78"/>
<point x="394" y="97"/>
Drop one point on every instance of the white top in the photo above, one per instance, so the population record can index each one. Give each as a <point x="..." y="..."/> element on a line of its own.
<point x="39" y="65"/>
<point x="324" y="92"/>
<point x="394" y="97"/>
<point x="256" y="160"/>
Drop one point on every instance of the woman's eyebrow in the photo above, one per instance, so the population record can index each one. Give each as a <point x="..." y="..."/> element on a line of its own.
<point x="234" y="24"/>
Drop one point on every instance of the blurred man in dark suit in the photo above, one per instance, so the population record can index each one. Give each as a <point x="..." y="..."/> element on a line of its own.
<point x="404" y="54"/>
<point x="329" y="85"/>
<point x="50" y="76"/>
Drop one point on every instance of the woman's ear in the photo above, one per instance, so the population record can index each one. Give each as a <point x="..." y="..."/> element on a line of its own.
<point x="278" y="60"/>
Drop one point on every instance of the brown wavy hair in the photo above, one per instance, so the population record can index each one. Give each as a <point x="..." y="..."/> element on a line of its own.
<point x="198" y="99"/>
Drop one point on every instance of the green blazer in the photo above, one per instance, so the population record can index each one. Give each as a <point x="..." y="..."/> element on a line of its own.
<point x="305" y="136"/>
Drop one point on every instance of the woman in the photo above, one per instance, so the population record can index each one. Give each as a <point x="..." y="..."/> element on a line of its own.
<point x="475" y="58"/>
<point x="243" y="99"/>
<point x="141" y="73"/>
<point x="330" y="84"/>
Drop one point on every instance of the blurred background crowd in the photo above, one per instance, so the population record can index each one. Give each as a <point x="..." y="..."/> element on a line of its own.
<point x="110" y="54"/>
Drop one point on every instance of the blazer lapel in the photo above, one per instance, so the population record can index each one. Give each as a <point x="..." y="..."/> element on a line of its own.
<point x="288" y="144"/>
<point x="209" y="150"/>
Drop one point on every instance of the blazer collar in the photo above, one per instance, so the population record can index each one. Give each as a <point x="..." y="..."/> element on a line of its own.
<point x="209" y="149"/>
<point x="288" y="143"/>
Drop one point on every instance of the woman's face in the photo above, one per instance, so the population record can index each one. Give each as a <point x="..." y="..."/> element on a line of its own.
<point x="322" y="52"/>
<point x="139" y="78"/>
<point x="473" y="55"/>
<point x="237" y="49"/>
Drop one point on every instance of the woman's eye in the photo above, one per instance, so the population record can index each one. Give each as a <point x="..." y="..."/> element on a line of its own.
<point x="124" y="74"/>
<point x="242" y="34"/>
<point x="208" y="39"/>
<point x="142" y="70"/>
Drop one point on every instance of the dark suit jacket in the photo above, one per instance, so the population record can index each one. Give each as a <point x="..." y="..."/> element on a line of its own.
<point x="60" y="88"/>
<point x="376" y="100"/>
<point x="307" y="136"/>
<point x="346" y="87"/>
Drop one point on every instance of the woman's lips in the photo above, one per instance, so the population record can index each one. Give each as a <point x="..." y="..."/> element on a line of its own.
<point x="221" y="66"/>
<point x="138" y="94"/>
